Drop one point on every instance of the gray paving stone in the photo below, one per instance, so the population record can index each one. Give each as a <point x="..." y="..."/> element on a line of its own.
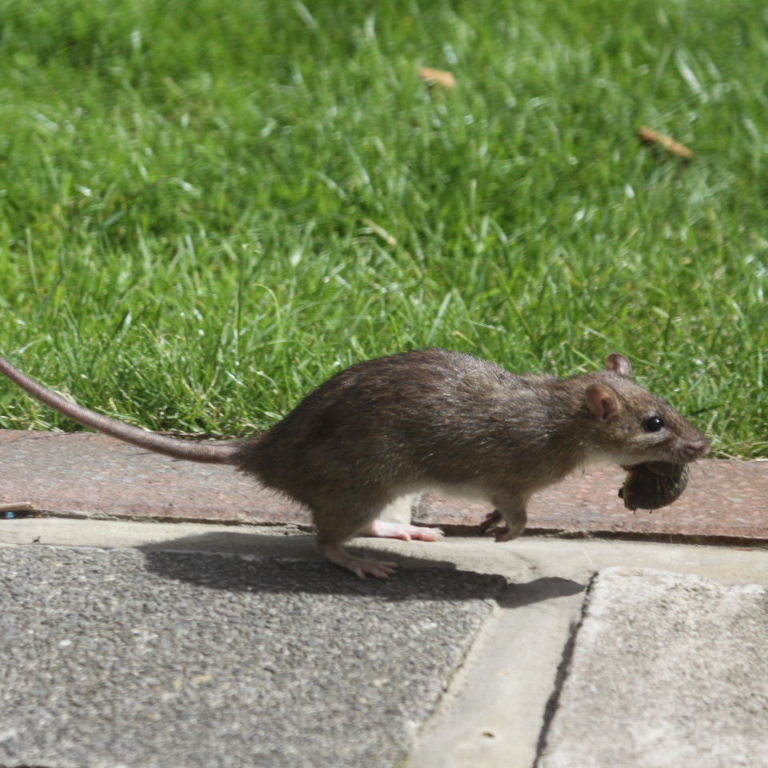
<point x="667" y="670"/>
<point x="132" y="659"/>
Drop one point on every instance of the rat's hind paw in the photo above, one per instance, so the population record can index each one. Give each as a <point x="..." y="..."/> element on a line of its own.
<point x="387" y="530"/>
<point x="360" y="566"/>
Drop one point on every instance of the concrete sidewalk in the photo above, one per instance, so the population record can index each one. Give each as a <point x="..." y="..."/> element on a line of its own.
<point x="140" y="644"/>
<point x="176" y="644"/>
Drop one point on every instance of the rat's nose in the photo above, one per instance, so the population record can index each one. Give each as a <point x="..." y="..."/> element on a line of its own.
<point x="695" y="449"/>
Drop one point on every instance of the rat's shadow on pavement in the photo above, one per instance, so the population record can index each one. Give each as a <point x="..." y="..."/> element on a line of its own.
<point x="289" y="564"/>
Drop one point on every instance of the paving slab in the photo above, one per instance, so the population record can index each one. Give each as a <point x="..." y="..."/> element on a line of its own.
<point x="666" y="670"/>
<point x="725" y="502"/>
<point x="491" y="714"/>
<point x="93" y="475"/>
<point x="129" y="659"/>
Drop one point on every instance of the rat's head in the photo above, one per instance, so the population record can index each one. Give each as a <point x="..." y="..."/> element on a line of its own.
<point x="632" y="425"/>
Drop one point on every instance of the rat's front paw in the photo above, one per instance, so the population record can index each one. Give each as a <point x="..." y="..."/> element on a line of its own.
<point x="501" y="528"/>
<point x="493" y="523"/>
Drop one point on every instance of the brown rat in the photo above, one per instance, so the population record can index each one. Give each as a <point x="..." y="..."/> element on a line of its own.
<point x="430" y="419"/>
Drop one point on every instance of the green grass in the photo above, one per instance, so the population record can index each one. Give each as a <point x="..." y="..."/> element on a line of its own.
<point x="193" y="195"/>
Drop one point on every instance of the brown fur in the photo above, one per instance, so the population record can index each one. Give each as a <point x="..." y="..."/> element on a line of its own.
<point x="433" y="418"/>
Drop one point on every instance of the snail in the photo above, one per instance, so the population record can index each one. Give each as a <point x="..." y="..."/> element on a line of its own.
<point x="653" y="485"/>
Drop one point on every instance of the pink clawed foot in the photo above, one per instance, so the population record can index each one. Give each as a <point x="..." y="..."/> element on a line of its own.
<point x="380" y="569"/>
<point x="387" y="530"/>
<point x="360" y="566"/>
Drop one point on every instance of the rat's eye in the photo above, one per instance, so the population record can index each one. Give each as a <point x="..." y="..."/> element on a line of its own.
<point x="653" y="424"/>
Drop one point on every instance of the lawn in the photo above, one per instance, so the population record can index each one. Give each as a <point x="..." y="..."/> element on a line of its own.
<point x="208" y="207"/>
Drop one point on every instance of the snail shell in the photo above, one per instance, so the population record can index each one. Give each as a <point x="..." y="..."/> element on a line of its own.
<point x="653" y="485"/>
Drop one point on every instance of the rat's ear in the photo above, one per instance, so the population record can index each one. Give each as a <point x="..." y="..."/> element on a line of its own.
<point x="602" y="402"/>
<point x="619" y="364"/>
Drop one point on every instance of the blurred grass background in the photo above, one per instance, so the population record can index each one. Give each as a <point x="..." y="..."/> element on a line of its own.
<point x="207" y="208"/>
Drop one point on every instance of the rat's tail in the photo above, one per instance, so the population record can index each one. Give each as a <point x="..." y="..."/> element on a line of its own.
<point x="151" y="441"/>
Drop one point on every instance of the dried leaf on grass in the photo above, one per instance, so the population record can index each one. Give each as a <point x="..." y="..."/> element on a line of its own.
<point x="654" y="138"/>
<point x="437" y="78"/>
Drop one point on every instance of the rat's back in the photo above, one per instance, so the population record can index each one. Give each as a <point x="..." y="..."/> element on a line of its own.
<point x="425" y="414"/>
